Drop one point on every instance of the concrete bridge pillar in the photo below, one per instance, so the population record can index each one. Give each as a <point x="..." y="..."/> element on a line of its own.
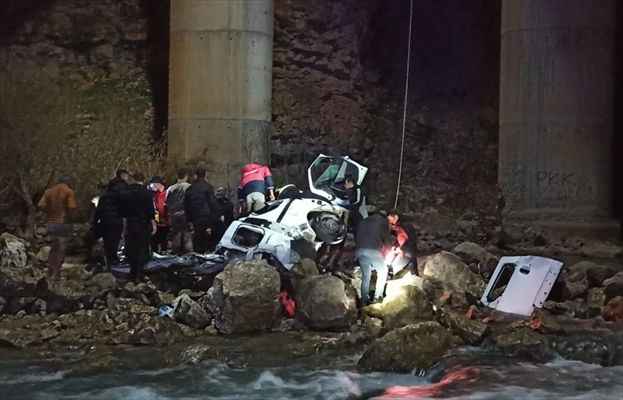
<point x="556" y="109"/>
<point x="220" y="83"/>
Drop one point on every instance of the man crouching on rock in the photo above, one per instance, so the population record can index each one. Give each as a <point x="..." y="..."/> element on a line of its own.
<point x="57" y="202"/>
<point x="138" y="208"/>
<point x="372" y="237"/>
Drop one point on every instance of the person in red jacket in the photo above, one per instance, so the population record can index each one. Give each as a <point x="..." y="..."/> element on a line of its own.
<point x="159" y="240"/>
<point x="255" y="182"/>
<point x="405" y="245"/>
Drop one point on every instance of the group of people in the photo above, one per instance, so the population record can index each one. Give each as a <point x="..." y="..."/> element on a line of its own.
<point x="190" y="215"/>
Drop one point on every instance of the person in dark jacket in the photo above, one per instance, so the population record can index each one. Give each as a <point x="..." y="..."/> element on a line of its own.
<point x="109" y="222"/>
<point x="356" y="202"/>
<point x="372" y="239"/>
<point x="138" y="209"/>
<point x="201" y="210"/>
<point x="120" y="182"/>
<point x="225" y="213"/>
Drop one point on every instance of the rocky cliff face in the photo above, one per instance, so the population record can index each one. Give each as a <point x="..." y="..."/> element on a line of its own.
<point x="338" y="82"/>
<point x="339" y="70"/>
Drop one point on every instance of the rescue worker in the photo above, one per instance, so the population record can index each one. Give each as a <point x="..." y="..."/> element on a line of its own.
<point x="405" y="244"/>
<point x="225" y="213"/>
<point x="175" y="210"/>
<point x="138" y="209"/>
<point x="357" y="202"/>
<point x="372" y="239"/>
<point x="109" y="222"/>
<point x="201" y="209"/>
<point x="57" y="202"/>
<point x="255" y="181"/>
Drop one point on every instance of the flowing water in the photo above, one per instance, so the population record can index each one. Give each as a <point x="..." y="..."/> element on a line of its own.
<point x="486" y="378"/>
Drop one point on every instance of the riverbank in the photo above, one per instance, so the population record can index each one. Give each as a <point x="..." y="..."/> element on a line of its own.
<point x="90" y="317"/>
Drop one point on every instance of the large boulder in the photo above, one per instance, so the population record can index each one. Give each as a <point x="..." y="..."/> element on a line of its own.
<point x="244" y="297"/>
<point x="416" y="346"/>
<point x="325" y="302"/>
<point x="453" y="273"/>
<point x="188" y="312"/>
<point x="12" y="252"/>
<point x="613" y="311"/>
<point x="471" y="331"/>
<point x="613" y="286"/>
<point x="404" y="304"/>
<point x="17" y="277"/>
<point x="523" y="342"/>
<point x="473" y="253"/>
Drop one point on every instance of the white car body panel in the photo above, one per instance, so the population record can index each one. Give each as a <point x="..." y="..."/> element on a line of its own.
<point x="530" y="284"/>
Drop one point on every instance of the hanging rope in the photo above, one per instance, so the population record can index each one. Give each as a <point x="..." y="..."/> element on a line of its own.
<point x="404" y="110"/>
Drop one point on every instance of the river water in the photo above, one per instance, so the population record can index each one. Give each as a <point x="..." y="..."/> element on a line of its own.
<point x="486" y="378"/>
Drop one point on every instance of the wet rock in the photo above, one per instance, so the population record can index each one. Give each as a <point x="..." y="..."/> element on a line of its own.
<point x="613" y="286"/>
<point x="523" y="342"/>
<point x="472" y="253"/>
<point x="454" y="273"/>
<point x="471" y="331"/>
<point x="592" y="348"/>
<point x="20" y="340"/>
<point x="373" y="326"/>
<point x="404" y="304"/>
<point x="43" y="253"/>
<point x="3" y="303"/>
<point x="595" y="300"/>
<point x="189" y="312"/>
<point x="574" y="284"/>
<point x="12" y="252"/>
<point x="306" y="267"/>
<point x="244" y="297"/>
<point x="613" y="311"/>
<point x="416" y="346"/>
<point x="325" y="302"/>
<point x="196" y="353"/>
<point x="594" y="273"/>
<point x="145" y="292"/>
<point x="601" y="250"/>
<point x="102" y="282"/>
<point x="577" y="308"/>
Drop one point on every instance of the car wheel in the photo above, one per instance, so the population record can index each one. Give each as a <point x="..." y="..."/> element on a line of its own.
<point x="329" y="228"/>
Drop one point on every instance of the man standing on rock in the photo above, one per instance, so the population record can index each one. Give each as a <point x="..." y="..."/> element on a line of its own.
<point x="138" y="209"/>
<point x="372" y="238"/>
<point x="175" y="209"/>
<point x="58" y="202"/>
<point x="201" y="210"/>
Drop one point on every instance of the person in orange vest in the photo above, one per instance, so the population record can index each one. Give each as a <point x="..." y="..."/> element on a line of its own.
<point x="57" y="202"/>
<point x="255" y="182"/>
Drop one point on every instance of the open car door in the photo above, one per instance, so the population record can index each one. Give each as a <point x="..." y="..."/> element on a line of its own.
<point x="326" y="177"/>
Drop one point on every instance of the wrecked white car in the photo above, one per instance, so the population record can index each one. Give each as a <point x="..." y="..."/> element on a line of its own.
<point x="298" y="222"/>
<point x="519" y="284"/>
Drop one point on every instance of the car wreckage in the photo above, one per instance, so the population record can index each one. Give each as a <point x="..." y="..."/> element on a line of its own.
<point x="292" y="227"/>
